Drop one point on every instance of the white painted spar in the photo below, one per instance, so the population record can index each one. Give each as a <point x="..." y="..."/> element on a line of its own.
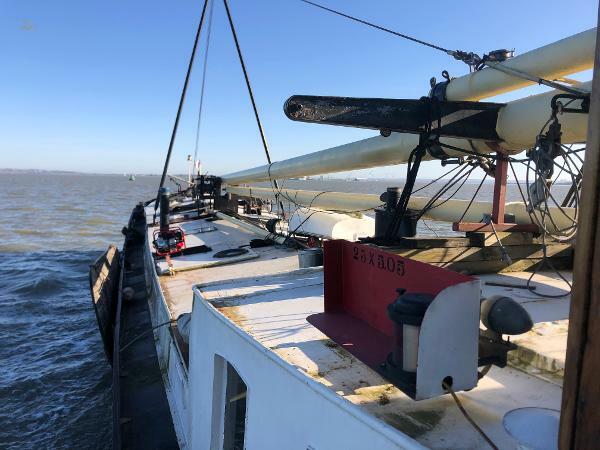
<point x="450" y="211"/>
<point x="331" y="225"/>
<point x="519" y="122"/>
<point x="570" y="55"/>
<point x="558" y="59"/>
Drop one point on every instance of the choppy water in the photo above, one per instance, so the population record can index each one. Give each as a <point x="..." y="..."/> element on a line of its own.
<point x="54" y="379"/>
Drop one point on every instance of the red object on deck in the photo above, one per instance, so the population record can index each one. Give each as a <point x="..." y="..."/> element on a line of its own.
<point x="360" y="282"/>
<point x="167" y="248"/>
<point x="498" y="206"/>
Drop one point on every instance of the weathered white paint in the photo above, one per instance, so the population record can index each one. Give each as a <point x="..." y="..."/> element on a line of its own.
<point x="267" y="314"/>
<point x="171" y="363"/>
<point x="285" y="409"/>
<point x="449" y="340"/>
<point x="331" y="225"/>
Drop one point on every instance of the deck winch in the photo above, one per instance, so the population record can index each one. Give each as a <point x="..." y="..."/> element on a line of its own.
<point x="167" y="240"/>
<point x="407" y="313"/>
<point x="384" y="217"/>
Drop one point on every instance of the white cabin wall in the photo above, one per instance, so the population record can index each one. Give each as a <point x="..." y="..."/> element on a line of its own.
<point x="285" y="408"/>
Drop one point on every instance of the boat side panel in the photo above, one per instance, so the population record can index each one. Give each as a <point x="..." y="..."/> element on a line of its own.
<point x="284" y="409"/>
<point x="173" y="369"/>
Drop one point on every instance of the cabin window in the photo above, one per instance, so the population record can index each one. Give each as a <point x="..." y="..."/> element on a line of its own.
<point x="229" y="407"/>
<point x="234" y="426"/>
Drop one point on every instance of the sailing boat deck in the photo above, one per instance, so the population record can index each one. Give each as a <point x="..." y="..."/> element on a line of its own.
<point x="267" y="300"/>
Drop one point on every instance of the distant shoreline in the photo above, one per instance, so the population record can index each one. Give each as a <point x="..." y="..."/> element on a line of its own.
<point x="10" y="171"/>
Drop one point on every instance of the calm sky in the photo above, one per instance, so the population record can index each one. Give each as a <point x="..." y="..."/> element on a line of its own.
<point x="94" y="85"/>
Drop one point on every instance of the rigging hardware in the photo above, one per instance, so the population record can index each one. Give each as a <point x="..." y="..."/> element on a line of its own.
<point x="548" y="147"/>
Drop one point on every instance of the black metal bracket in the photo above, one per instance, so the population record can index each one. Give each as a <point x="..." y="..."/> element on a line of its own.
<point x="493" y="349"/>
<point x="471" y="120"/>
<point x="559" y="107"/>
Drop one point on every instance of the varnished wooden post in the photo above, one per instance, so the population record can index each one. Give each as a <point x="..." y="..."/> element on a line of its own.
<point x="580" y="413"/>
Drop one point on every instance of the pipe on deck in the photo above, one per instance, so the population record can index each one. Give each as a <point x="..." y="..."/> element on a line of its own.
<point x="519" y="122"/>
<point x="451" y="211"/>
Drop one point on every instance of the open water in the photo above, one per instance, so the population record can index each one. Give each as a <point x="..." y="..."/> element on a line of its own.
<point x="54" y="379"/>
<point x="55" y="382"/>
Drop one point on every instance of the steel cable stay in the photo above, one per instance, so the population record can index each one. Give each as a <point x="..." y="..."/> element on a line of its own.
<point x="181" y="103"/>
<point x="475" y="62"/>
<point x="251" y="95"/>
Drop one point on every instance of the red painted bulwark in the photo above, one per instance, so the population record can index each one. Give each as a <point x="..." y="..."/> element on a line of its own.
<point x="361" y="281"/>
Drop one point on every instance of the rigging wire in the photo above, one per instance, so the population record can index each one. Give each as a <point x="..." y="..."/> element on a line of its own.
<point x="436" y="180"/>
<point x="378" y="27"/>
<point x="247" y="79"/>
<point x="541" y="213"/>
<point x="471" y="59"/>
<point x="456" y="178"/>
<point x="205" y="64"/>
<point x="473" y="198"/>
<point x="251" y="94"/>
<point x="181" y="102"/>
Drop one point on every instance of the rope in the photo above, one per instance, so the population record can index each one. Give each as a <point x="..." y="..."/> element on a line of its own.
<point x="457" y="177"/>
<point x="541" y="212"/>
<point x="467" y="416"/>
<point x="181" y="102"/>
<point x="141" y="335"/>
<point x="414" y="162"/>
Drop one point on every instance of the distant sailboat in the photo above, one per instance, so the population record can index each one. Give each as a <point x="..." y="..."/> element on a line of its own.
<point x="132" y="177"/>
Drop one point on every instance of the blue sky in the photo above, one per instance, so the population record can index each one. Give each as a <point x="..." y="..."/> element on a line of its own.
<point x="94" y="85"/>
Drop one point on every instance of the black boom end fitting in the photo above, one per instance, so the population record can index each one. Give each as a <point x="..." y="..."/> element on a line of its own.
<point x="471" y="120"/>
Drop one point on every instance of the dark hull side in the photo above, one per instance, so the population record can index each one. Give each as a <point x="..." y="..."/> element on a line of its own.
<point x="141" y="414"/>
